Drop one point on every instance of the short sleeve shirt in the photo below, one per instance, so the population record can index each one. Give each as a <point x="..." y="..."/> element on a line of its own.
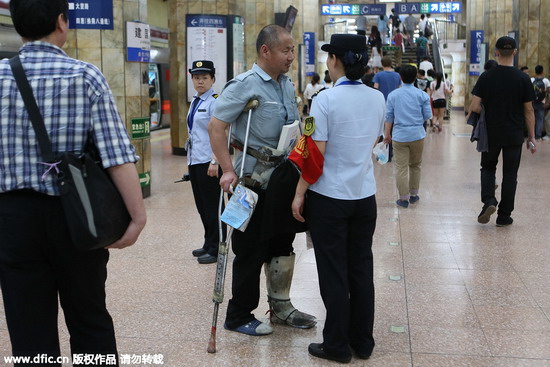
<point x="350" y="118"/>
<point x="503" y="91"/>
<point x="387" y="81"/>
<point x="75" y="102"/>
<point x="277" y="107"/>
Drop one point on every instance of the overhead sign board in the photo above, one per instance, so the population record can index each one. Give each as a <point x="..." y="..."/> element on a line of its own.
<point x="431" y="8"/>
<point x="91" y="14"/>
<point x="353" y="9"/>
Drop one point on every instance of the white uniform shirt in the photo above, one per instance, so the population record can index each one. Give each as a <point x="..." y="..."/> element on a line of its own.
<point x="200" y="150"/>
<point x="350" y="118"/>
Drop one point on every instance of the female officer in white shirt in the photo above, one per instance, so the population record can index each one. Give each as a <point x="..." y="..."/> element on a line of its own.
<point x="203" y="168"/>
<point x="341" y="206"/>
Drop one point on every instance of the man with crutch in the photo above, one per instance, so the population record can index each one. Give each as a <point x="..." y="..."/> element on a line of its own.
<point x="277" y="106"/>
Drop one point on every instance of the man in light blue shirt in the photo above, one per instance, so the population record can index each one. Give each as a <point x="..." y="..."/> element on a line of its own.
<point x="406" y="110"/>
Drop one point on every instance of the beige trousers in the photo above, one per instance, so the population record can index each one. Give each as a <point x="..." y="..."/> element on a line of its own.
<point x="407" y="158"/>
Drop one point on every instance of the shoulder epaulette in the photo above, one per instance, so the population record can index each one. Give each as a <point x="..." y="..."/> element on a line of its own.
<point x="316" y="93"/>
<point x="215" y="95"/>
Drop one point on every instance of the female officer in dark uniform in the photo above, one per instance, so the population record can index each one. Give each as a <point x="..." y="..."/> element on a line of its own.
<point x="341" y="207"/>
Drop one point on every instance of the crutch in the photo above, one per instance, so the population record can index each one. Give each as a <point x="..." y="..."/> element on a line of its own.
<point x="223" y="250"/>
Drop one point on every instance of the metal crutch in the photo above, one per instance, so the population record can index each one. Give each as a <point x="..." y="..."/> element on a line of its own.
<point x="223" y="250"/>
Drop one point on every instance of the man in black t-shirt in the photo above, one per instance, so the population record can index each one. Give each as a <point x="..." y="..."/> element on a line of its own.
<point x="506" y="94"/>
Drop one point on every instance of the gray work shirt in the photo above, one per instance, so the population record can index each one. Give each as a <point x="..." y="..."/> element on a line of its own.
<point x="277" y="107"/>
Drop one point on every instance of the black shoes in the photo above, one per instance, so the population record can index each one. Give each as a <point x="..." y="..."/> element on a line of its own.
<point x="504" y="221"/>
<point x="360" y="354"/>
<point x="486" y="212"/>
<point x="199" y="252"/>
<point x="207" y="259"/>
<point x="316" y="349"/>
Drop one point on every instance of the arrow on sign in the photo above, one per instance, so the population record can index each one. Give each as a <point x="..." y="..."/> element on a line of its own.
<point x="306" y="36"/>
<point x="456" y="7"/>
<point x="145" y="180"/>
<point x="325" y="9"/>
<point x="346" y="9"/>
<point x="194" y="21"/>
<point x="434" y="8"/>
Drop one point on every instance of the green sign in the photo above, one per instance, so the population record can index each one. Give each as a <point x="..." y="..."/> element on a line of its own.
<point x="145" y="179"/>
<point x="355" y="9"/>
<point x="141" y="127"/>
<point x="424" y="8"/>
<point x="390" y="48"/>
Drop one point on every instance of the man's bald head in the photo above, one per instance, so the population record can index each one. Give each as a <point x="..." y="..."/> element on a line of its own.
<point x="269" y="36"/>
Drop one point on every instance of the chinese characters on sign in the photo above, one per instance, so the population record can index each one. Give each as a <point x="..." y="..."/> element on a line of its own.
<point x="138" y="42"/>
<point x="353" y="9"/>
<point x="432" y="8"/>
<point x="91" y="14"/>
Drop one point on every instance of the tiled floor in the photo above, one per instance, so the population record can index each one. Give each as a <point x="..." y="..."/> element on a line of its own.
<point x="464" y="294"/>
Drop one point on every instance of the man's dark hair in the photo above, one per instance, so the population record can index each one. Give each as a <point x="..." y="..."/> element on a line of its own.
<point x="431" y="73"/>
<point x="408" y="73"/>
<point x="269" y="36"/>
<point x="523" y="68"/>
<point x="36" y="19"/>
<point x="386" y="61"/>
<point x="422" y="72"/>
<point x="506" y="53"/>
<point x="539" y="69"/>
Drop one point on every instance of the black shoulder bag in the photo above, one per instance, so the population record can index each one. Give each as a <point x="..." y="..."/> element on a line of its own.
<point x="94" y="210"/>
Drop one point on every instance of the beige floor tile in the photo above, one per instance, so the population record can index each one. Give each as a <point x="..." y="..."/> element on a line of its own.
<point x="443" y="315"/>
<point x="517" y="318"/>
<point x="463" y="341"/>
<point x="419" y="276"/>
<point x="440" y="360"/>
<point x="519" y="343"/>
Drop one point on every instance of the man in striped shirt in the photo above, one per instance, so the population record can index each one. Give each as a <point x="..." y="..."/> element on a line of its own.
<point x="38" y="261"/>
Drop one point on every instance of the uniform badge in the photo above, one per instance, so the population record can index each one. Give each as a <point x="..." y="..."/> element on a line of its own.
<point x="309" y="125"/>
<point x="199" y="64"/>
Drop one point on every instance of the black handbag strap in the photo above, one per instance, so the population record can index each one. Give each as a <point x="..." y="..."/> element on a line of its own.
<point x="32" y="108"/>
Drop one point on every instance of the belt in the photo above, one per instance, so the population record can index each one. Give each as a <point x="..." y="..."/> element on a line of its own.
<point x="256" y="153"/>
<point x="252" y="183"/>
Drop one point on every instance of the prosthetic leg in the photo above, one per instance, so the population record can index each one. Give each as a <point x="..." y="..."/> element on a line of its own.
<point x="279" y="278"/>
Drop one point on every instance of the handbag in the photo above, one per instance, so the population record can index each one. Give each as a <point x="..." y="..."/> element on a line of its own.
<point x="94" y="210"/>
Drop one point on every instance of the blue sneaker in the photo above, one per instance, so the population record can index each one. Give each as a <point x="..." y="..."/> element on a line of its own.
<point x="402" y="203"/>
<point x="414" y="198"/>
<point x="254" y="328"/>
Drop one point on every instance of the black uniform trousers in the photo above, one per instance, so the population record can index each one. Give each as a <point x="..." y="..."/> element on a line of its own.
<point x="251" y="252"/>
<point x="206" y="191"/>
<point x="511" y="158"/>
<point x="342" y="232"/>
<point x="38" y="264"/>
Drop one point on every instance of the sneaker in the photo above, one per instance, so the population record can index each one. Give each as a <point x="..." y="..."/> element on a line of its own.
<point x="504" y="221"/>
<point x="254" y="328"/>
<point x="402" y="203"/>
<point x="414" y="198"/>
<point x="486" y="212"/>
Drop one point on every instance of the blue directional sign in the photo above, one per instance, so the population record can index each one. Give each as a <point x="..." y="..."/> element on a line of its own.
<point x="353" y="9"/>
<point x="309" y="45"/>
<point x="210" y="21"/>
<point x="91" y="14"/>
<point x="434" y="8"/>
<point x="476" y="39"/>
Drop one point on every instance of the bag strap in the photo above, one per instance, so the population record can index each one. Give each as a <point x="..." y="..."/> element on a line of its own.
<point x="32" y="108"/>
